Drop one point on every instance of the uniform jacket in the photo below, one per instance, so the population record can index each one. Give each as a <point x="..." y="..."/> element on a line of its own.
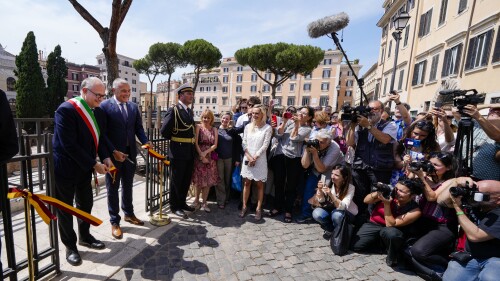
<point x="183" y="128"/>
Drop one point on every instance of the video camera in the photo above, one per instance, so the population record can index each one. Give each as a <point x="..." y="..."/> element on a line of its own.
<point x="462" y="98"/>
<point x="352" y="113"/>
<point x="313" y="143"/>
<point x="384" y="189"/>
<point x="424" y="165"/>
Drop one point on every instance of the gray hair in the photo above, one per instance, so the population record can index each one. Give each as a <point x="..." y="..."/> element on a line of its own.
<point x="118" y="81"/>
<point x="324" y="134"/>
<point x="89" y="83"/>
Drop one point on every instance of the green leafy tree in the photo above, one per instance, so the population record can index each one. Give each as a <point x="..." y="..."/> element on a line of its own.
<point x="200" y="54"/>
<point x="151" y="67"/>
<point x="168" y="55"/>
<point x="281" y="59"/>
<point x="57" y="87"/>
<point x="108" y="34"/>
<point x="30" y="86"/>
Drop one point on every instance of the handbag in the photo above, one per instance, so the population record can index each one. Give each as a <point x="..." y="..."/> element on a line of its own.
<point x="341" y="238"/>
<point x="214" y="155"/>
<point x="321" y="200"/>
<point x="236" y="177"/>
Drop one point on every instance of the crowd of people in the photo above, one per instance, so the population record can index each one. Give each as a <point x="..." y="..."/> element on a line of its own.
<point x="388" y="177"/>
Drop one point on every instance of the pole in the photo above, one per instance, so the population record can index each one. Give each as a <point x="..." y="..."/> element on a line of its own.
<point x="397" y="38"/>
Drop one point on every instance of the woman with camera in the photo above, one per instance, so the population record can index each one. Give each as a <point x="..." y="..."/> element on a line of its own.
<point x="256" y="139"/>
<point x="338" y="200"/>
<point x="286" y="160"/>
<point x="438" y="225"/>
<point x="391" y="219"/>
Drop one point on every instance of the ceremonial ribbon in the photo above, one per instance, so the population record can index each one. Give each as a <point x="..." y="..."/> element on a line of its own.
<point x="156" y="155"/>
<point x="112" y="172"/>
<point x="38" y="200"/>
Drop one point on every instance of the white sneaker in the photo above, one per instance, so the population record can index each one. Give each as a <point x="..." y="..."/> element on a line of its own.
<point x="205" y="208"/>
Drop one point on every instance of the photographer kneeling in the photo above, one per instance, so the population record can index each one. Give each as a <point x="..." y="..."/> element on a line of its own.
<point x="319" y="158"/>
<point x="481" y="260"/>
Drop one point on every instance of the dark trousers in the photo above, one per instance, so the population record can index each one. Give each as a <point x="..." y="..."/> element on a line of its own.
<point x="125" y="175"/>
<point x="182" y="170"/>
<point x="82" y="194"/>
<point x="363" y="180"/>
<point x="287" y="173"/>
<point x="432" y="248"/>
<point x="370" y="235"/>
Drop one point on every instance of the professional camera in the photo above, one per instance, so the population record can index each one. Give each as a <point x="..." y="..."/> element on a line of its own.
<point x="352" y="113"/>
<point x="313" y="143"/>
<point x="462" y="98"/>
<point x="469" y="194"/>
<point x="383" y="188"/>
<point x="423" y="165"/>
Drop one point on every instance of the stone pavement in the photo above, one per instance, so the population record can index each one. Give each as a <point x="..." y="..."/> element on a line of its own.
<point x="210" y="246"/>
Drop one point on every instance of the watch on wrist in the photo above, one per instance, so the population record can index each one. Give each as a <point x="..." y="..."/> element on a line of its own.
<point x="369" y="127"/>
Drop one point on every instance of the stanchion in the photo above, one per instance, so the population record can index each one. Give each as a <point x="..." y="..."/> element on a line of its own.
<point x="29" y="238"/>
<point x="160" y="219"/>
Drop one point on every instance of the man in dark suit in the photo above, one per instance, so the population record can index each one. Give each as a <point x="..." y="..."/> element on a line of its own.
<point x="8" y="145"/>
<point x="79" y="124"/>
<point x="123" y="123"/>
<point x="178" y="127"/>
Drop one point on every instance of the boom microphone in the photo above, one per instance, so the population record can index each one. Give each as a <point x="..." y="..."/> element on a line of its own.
<point x="328" y="25"/>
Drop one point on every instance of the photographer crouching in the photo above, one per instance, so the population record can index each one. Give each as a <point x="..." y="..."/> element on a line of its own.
<point x="319" y="157"/>
<point x="373" y="139"/>
<point x="477" y="208"/>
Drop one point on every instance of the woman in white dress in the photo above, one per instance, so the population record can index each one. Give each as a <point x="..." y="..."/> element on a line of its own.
<point x="256" y="139"/>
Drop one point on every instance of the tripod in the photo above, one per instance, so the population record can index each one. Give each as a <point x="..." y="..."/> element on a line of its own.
<point x="464" y="141"/>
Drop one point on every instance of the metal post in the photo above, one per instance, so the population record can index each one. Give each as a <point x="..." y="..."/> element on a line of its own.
<point x="397" y="37"/>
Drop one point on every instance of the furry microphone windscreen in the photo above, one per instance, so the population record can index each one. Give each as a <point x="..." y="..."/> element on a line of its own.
<point x="328" y="25"/>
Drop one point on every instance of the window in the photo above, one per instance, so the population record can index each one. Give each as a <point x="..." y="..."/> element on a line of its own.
<point x="293" y="77"/>
<point x="215" y="88"/>
<point x="290" y="101"/>
<point x="425" y="24"/>
<point x="238" y="89"/>
<point x="411" y="4"/>
<point x="495" y="100"/>
<point x="265" y="100"/>
<point x="407" y="32"/>
<point x="462" y="5"/>
<point x="11" y="84"/>
<point x="385" y="87"/>
<point x="76" y="88"/>
<point x="208" y="89"/>
<point x="292" y="87"/>
<point x="419" y="73"/>
<point x="266" y="88"/>
<point x="434" y="66"/>
<point x="323" y="100"/>
<point x="254" y="77"/>
<point x="325" y="86"/>
<point x="305" y="100"/>
<point x="349" y="83"/>
<point x="278" y="89"/>
<point x="224" y="89"/>
<point x="225" y="69"/>
<point x="134" y="81"/>
<point x="451" y="60"/>
<point x="239" y="78"/>
<point x="390" y="48"/>
<point x="348" y="93"/>
<point x="224" y="100"/>
<point x="253" y="88"/>
<point x="384" y="31"/>
<point x="225" y="78"/>
<point x="349" y="73"/>
<point x="74" y="76"/>
<point x="442" y="13"/>
<point x="479" y="50"/>
<point x="326" y="73"/>
<point x="201" y="100"/>
<point x="496" y="51"/>
<point x="278" y="101"/>
<point x="134" y="90"/>
<point x="202" y="89"/>
<point x="307" y="87"/>
<point x="267" y="76"/>
<point x="400" y="81"/>
<point x="382" y="54"/>
<point x="214" y="100"/>
<point x="308" y="76"/>
<point x="239" y="68"/>
<point x="207" y="100"/>
<point x="327" y="61"/>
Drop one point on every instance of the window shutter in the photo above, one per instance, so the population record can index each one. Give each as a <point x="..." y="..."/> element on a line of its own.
<point x="459" y="56"/>
<point x="446" y="63"/>
<point x="423" y="71"/>
<point x="415" y="75"/>
<point x="462" y="5"/>
<point x="496" y="52"/>
<point x="421" y="26"/>
<point x="487" y="47"/>
<point x="428" y="22"/>
<point x="469" y="61"/>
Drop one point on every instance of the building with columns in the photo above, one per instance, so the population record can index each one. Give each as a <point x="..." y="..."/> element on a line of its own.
<point x="445" y="45"/>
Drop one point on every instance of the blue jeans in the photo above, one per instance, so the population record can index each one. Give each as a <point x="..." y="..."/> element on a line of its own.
<point x="475" y="269"/>
<point x="329" y="220"/>
<point x="309" y="191"/>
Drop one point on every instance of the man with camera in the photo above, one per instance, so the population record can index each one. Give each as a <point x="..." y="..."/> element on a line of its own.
<point x="320" y="156"/>
<point x="481" y="258"/>
<point x="373" y="139"/>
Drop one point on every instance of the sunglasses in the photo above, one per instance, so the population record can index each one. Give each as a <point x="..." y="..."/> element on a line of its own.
<point x="425" y="125"/>
<point x="441" y="155"/>
<point x="291" y="110"/>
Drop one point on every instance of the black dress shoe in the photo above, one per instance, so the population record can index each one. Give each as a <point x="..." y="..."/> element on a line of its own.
<point x="73" y="257"/>
<point x="188" y="208"/>
<point x="180" y="213"/>
<point x="92" y="243"/>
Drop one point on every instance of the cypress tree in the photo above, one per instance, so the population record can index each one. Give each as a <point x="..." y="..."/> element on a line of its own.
<point x="30" y="86"/>
<point x="56" y="82"/>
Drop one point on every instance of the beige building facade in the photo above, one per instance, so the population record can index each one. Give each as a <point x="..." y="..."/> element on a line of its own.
<point x="125" y="71"/>
<point x="447" y="44"/>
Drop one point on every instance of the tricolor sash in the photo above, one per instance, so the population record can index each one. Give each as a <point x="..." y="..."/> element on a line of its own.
<point x="88" y="117"/>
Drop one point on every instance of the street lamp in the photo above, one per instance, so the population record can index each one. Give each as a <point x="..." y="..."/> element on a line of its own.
<point x="337" y="100"/>
<point x="399" y="24"/>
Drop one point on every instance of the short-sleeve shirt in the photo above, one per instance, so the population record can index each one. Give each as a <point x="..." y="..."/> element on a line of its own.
<point x="490" y="223"/>
<point x="391" y="129"/>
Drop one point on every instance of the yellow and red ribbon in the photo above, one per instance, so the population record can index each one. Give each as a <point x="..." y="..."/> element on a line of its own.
<point x="112" y="172"/>
<point x="38" y="201"/>
<point x="156" y="155"/>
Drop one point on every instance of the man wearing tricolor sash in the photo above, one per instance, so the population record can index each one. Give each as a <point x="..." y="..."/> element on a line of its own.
<point x="78" y="128"/>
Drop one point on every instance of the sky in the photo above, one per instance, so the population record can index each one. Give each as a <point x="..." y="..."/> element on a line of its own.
<point x="227" y="24"/>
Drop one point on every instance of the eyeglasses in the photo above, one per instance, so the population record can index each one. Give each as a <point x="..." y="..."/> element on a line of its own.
<point x="335" y="116"/>
<point x="449" y="117"/>
<point x="441" y="155"/>
<point x="97" y="95"/>
<point x="243" y="107"/>
<point x="291" y="110"/>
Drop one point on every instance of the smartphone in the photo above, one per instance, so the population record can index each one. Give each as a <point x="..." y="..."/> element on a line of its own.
<point x="274" y="120"/>
<point x="287" y="115"/>
<point x="323" y="179"/>
<point x="246" y="162"/>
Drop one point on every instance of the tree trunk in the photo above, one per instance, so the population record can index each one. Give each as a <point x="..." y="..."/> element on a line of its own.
<point x="168" y="91"/>
<point x="112" y="66"/>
